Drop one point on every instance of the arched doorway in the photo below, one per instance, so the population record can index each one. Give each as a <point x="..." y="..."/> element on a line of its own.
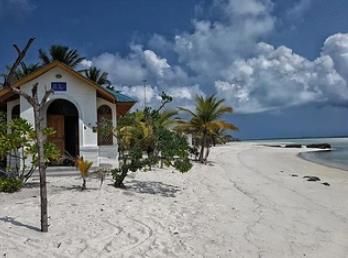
<point x="104" y="114"/>
<point x="63" y="117"/>
<point x="15" y="112"/>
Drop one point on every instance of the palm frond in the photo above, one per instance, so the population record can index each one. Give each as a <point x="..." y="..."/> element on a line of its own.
<point x="62" y="54"/>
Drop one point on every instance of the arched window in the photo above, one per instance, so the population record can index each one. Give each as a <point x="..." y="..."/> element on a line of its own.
<point x="15" y="112"/>
<point x="105" y="125"/>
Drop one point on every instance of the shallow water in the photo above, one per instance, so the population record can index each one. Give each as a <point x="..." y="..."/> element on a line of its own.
<point x="337" y="158"/>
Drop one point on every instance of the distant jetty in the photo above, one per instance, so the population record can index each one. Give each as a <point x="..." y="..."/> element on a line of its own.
<point x="322" y="146"/>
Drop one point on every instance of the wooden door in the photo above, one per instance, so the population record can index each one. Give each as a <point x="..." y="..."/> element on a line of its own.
<point x="56" y="122"/>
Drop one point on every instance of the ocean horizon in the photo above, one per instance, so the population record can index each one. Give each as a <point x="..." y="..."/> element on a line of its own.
<point x="336" y="157"/>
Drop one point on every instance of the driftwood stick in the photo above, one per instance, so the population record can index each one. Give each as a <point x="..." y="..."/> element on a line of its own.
<point x="10" y="77"/>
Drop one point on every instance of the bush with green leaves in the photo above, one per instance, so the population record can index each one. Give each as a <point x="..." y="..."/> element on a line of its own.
<point x="174" y="150"/>
<point x="17" y="145"/>
<point x="10" y="185"/>
<point x="145" y="140"/>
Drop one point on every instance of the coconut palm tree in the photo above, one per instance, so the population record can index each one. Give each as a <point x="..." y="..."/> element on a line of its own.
<point x="143" y="128"/>
<point x="26" y="69"/>
<point x="206" y="120"/>
<point x="96" y="75"/>
<point x="23" y="70"/>
<point x="61" y="53"/>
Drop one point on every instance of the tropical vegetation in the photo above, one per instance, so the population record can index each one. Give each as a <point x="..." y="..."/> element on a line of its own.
<point x="84" y="166"/>
<point x="17" y="143"/>
<point x="96" y="75"/>
<point x="64" y="54"/>
<point x="10" y="185"/>
<point x="205" y="122"/>
<point x="146" y="138"/>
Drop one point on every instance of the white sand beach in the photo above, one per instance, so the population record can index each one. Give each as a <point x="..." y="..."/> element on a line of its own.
<point x="246" y="203"/>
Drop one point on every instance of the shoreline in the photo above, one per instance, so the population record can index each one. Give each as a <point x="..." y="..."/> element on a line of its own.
<point x="302" y="155"/>
<point x="245" y="203"/>
<point x="333" y="141"/>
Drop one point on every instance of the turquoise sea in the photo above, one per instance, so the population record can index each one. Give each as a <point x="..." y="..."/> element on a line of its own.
<point x="337" y="157"/>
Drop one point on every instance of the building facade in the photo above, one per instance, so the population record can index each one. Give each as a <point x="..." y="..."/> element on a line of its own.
<point x="74" y="111"/>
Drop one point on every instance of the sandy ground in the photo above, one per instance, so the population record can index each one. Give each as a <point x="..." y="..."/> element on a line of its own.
<point x="246" y="203"/>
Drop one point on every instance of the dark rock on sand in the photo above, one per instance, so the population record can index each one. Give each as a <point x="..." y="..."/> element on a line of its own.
<point x="312" y="178"/>
<point x="319" y="146"/>
<point x="323" y="146"/>
<point x="326" y="184"/>
<point x="293" y="146"/>
<point x="294" y="175"/>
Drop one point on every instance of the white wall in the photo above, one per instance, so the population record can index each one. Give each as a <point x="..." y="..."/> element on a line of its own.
<point x="81" y="95"/>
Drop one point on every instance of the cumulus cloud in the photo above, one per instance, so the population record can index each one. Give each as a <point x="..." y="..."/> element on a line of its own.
<point x="130" y="73"/>
<point x="228" y="56"/>
<point x="277" y="77"/>
<point x="213" y="44"/>
<point x="156" y="64"/>
<point x="182" y="94"/>
<point x="336" y="47"/>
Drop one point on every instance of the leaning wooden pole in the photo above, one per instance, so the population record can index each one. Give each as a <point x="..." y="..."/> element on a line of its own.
<point x="38" y="107"/>
<point x="40" y="139"/>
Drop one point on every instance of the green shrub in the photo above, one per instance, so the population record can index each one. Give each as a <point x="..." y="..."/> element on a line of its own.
<point x="183" y="165"/>
<point x="10" y="185"/>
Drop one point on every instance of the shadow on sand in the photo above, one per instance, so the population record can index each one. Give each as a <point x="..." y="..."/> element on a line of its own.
<point x="14" y="222"/>
<point x="31" y="185"/>
<point x="76" y="188"/>
<point x="151" y="187"/>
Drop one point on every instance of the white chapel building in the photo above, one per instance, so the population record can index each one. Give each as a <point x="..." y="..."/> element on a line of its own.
<point x="73" y="111"/>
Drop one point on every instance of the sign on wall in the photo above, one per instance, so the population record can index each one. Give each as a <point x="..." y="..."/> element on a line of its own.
<point x="58" y="86"/>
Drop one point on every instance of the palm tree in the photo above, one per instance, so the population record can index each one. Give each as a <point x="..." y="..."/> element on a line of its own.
<point x="143" y="128"/>
<point x="206" y="120"/>
<point x="96" y="75"/>
<point x="165" y="119"/>
<point x="61" y="53"/>
<point x="25" y="70"/>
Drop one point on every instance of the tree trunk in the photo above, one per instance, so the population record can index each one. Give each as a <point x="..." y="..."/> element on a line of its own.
<point x="84" y="184"/>
<point x="38" y="108"/>
<point x="206" y="155"/>
<point x="119" y="181"/>
<point x="42" y="167"/>
<point x="202" y="147"/>
<point x="120" y="178"/>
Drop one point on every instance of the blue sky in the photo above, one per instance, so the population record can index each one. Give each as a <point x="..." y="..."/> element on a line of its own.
<point x="282" y="65"/>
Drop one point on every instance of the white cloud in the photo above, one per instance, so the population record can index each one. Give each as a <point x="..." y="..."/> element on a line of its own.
<point x="155" y="64"/>
<point x="244" y="7"/>
<point x="299" y="8"/>
<point x="86" y="64"/>
<point x="278" y="78"/>
<point x="228" y="56"/>
<point x="336" y="46"/>
<point x="213" y="44"/>
<point x="183" y="95"/>
<point x="138" y="92"/>
<point x="126" y="70"/>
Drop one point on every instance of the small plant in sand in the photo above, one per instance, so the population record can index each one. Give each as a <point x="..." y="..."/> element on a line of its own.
<point x="84" y="166"/>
